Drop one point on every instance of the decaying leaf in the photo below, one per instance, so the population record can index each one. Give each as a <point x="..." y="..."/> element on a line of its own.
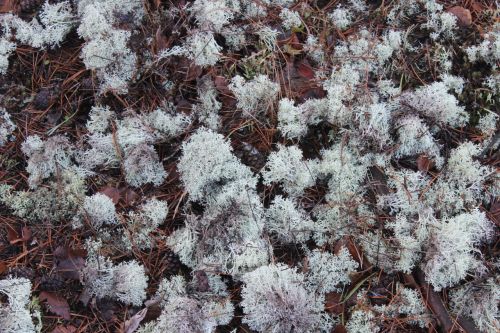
<point x="6" y="6"/>
<point x="56" y="304"/>
<point x="112" y="192"/>
<point x="69" y="262"/>
<point x="424" y="164"/>
<point x="64" y="329"/>
<point x="464" y="17"/>
<point x="133" y="323"/>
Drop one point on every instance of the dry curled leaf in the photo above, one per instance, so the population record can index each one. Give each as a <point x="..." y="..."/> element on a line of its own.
<point x="12" y="235"/>
<point x="6" y="6"/>
<point x="3" y="267"/>
<point x="128" y="196"/>
<point x="133" y="323"/>
<point x="340" y="329"/>
<point x="161" y="40"/>
<point x="424" y="164"/>
<point x="26" y="234"/>
<point x="69" y="262"/>
<point x="112" y="192"/>
<point x="333" y="303"/>
<point x="463" y="15"/>
<point x="64" y="329"/>
<point x="56" y="303"/>
<point x="305" y="70"/>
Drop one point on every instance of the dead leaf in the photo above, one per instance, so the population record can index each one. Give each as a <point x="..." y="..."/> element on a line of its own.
<point x="69" y="262"/>
<point x="57" y="304"/>
<point x="26" y="234"/>
<point x="3" y="267"/>
<point x="193" y="72"/>
<point x="291" y="50"/>
<point x="6" y="6"/>
<point x="477" y="7"/>
<point x="340" y="329"/>
<point x="12" y="235"/>
<point x="64" y="329"/>
<point x="112" y="192"/>
<point x="292" y="41"/>
<point x="305" y="70"/>
<point x="128" y="196"/>
<point x="133" y="323"/>
<point x="107" y="309"/>
<point x="424" y="164"/>
<point x="494" y="212"/>
<point x="464" y="18"/>
<point x="333" y="303"/>
<point x="222" y="84"/>
<point x="202" y="283"/>
<point x="225" y="94"/>
<point x="161" y="40"/>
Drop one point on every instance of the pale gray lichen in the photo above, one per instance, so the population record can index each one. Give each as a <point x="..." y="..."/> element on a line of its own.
<point x="7" y="126"/>
<point x="16" y="316"/>
<point x="275" y="299"/>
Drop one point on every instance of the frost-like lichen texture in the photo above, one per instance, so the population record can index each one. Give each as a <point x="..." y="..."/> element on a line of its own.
<point x="200" y="47"/>
<point x="209" y="170"/>
<point x="15" y="315"/>
<point x="7" y="127"/>
<point x="275" y="166"/>
<point x="106" y="50"/>
<point x="451" y="256"/>
<point x="479" y="301"/>
<point x="328" y="272"/>
<point x="125" y="282"/>
<point x="6" y="49"/>
<point x="98" y="210"/>
<point x="287" y="167"/>
<point x="48" y="30"/>
<point x="436" y="102"/>
<point x="290" y="224"/>
<point x="254" y="96"/>
<point x="276" y="299"/>
<point x="145" y="221"/>
<point x="188" y="310"/>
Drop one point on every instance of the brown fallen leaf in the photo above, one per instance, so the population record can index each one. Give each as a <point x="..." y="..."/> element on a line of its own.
<point x="69" y="262"/>
<point x="3" y="267"/>
<point x="202" y="283"/>
<point x="477" y="7"/>
<point x="6" y="6"/>
<point x="424" y="164"/>
<point x="64" y="329"/>
<point x="128" y="196"/>
<point x="112" y="192"/>
<point x="305" y="70"/>
<point x="12" y="235"/>
<point x="133" y="323"/>
<point x="26" y="234"/>
<point x="193" y="72"/>
<point x="333" y="303"/>
<point x="494" y="212"/>
<point x="225" y="94"/>
<point x="463" y="15"/>
<point x="340" y="329"/>
<point x="57" y="304"/>
<point x="161" y="41"/>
